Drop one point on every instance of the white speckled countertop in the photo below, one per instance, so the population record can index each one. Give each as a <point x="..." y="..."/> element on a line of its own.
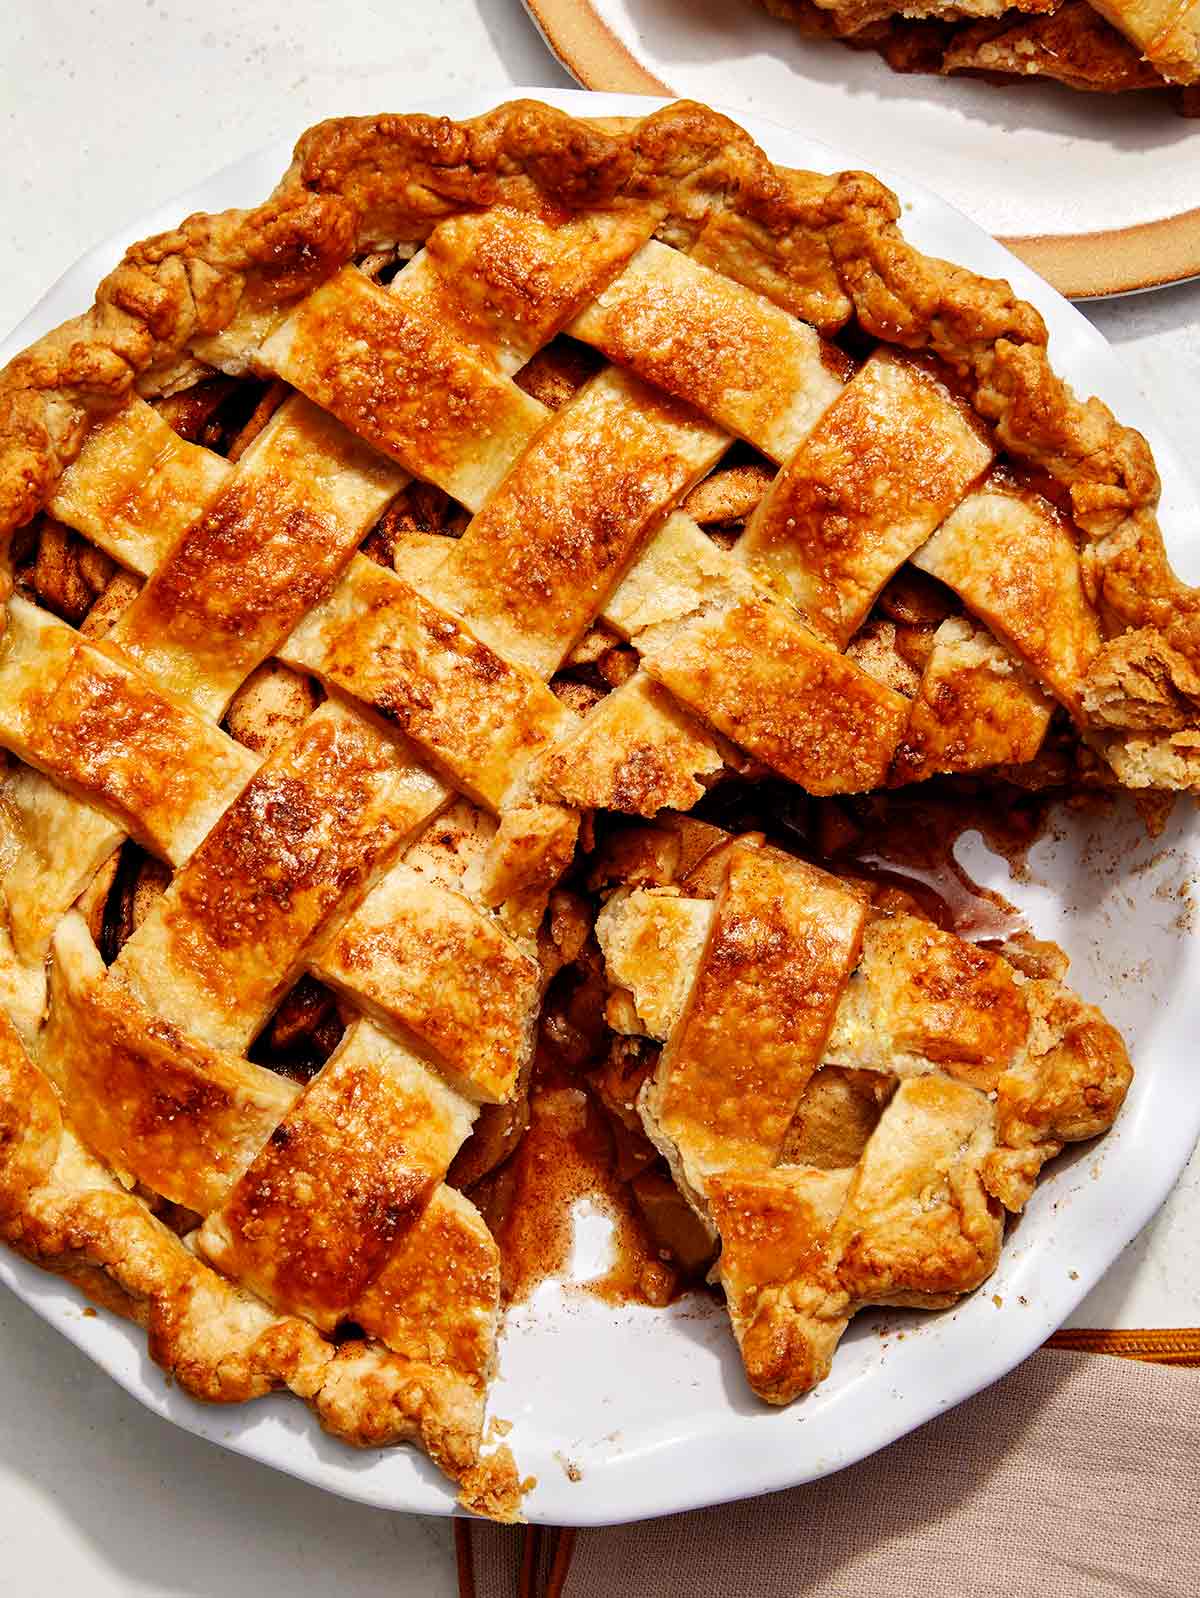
<point x="108" y="110"/>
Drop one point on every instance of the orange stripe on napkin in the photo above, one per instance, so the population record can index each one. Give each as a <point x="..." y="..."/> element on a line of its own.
<point x="1165" y="1345"/>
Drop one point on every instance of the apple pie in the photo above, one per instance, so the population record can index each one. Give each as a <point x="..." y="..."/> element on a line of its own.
<point x="368" y="553"/>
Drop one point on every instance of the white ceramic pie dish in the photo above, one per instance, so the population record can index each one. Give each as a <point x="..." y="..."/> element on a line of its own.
<point x="650" y="1408"/>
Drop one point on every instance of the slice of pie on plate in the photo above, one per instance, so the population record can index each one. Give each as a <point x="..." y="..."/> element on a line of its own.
<point x="1101" y="46"/>
<point x="362" y="549"/>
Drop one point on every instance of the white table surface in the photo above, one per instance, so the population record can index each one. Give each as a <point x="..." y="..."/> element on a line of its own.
<point x="107" y="110"/>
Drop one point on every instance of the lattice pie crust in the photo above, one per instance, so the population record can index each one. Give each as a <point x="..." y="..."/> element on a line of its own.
<point x="355" y="756"/>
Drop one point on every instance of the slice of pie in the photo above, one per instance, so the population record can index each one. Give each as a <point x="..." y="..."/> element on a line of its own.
<point x="1102" y="46"/>
<point x="367" y="549"/>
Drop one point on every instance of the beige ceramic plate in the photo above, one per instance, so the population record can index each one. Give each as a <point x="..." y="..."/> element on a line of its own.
<point x="1100" y="194"/>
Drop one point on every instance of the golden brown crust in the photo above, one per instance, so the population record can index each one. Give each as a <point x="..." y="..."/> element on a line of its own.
<point x="783" y="939"/>
<point x="823" y="247"/>
<point x="918" y="1225"/>
<point x="167" y="290"/>
<point x="338" y="1182"/>
<point x="1073" y="45"/>
<point x="161" y="1108"/>
<point x="407" y="1306"/>
<point x="432" y="964"/>
<point x="760" y="677"/>
<point x="693" y="332"/>
<point x="775" y="1229"/>
<point x="530" y="850"/>
<point x="652" y="941"/>
<point x="636" y="752"/>
<point x="1066" y="1085"/>
<point x="1142" y="699"/>
<point x="1167" y="32"/>
<point x="30" y="1123"/>
<point x="136" y="485"/>
<point x="1141" y="683"/>
<point x="909" y="1224"/>
<point x="535" y="565"/>
<point x="1013" y="559"/>
<point x="404" y="383"/>
<point x="974" y="708"/>
<point x="238" y="580"/>
<point x="1068" y="42"/>
<point x="219" y="1343"/>
<point x="83" y="714"/>
<point x="221" y="947"/>
<point x="922" y="999"/>
<point x="882" y="468"/>
<point x="475" y="714"/>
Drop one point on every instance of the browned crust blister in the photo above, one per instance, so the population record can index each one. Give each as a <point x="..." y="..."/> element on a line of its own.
<point x="61" y="1209"/>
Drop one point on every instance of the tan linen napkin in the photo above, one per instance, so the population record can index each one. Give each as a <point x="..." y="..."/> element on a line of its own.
<point x="1074" y="1477"/>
